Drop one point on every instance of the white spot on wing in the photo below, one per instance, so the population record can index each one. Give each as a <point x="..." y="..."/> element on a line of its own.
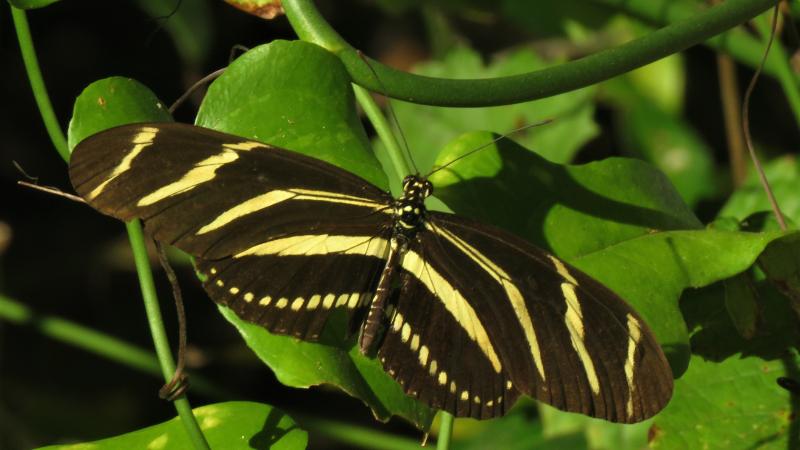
<point x="297" y="304"/>
<point x="423" y="355"/>
<point x="313" y="302"/>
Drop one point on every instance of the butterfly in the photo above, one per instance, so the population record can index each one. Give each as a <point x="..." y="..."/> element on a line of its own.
<point x="463" y="315"/>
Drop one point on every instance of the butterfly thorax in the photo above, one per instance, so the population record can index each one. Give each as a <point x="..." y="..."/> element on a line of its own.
<point x="409" y="208"/>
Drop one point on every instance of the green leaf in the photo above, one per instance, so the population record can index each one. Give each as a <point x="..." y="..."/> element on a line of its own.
<point x="428" y="129"/>
<point x="230" y="425"/>
<point x="111" y="102"/>
<point x="652" y="271"/>
<point x="298" y="96"/>
<point x="729" y="397"/>
<point x="30" y="4"/>
<point x="606" y="202"/>
<point x="784" y="178"/>
<point x="294" y="95"/>
<point x="304" y="364"/>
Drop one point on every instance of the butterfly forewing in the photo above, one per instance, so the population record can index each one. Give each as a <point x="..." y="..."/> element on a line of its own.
<point x="475" y="316"/>
<point x="212" y="194"/>
<point x="282" y="239"/>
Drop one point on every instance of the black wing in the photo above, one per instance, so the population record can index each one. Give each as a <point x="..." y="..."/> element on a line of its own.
<point x="257" y="217"/>
<point x="500" y="316"/>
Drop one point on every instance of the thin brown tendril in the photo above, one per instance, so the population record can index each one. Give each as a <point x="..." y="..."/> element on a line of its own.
<point x="180" y="381"/>
<point x="213" y="75"/>
<point x="746" y="125"/>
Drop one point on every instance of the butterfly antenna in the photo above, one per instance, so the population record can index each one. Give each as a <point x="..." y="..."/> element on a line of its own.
<point x="494" y="141"/>
<point x="391" y="110"/>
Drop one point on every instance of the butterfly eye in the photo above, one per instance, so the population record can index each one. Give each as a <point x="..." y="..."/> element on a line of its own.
<point x="407" y="181"/>
<point x="428" y="188"/>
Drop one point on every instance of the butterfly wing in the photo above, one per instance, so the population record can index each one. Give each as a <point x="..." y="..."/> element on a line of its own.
<point x="213" y="194"/>
<point x="264" y="222"/>
<point x="500" y="316"/>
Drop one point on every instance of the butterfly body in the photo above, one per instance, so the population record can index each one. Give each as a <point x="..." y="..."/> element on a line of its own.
<point x="464" y="315"/>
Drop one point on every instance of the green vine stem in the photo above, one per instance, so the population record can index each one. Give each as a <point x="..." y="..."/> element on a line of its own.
<point x="383" y="130"/>
<point x="37" y="82"/>
<point x="445" y="431"/>
<point x="134" y="229"/>
<point x="310" y="26"/>
<point x="736" y="43"/>
<point x="96" y="342"/>
<point x="156" y="323"/>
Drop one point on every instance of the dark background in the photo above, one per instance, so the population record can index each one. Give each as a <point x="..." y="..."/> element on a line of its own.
<point x="63" y="259"/>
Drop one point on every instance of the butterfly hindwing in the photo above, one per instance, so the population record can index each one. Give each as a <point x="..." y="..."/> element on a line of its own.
<point x="292" y="285"/>
<point x="553" y="332"/>
<point x="437" y="354"/>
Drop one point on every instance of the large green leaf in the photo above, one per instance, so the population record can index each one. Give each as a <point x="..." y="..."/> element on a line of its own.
<point x="294" y="95"/>
<point x="297" y="95"/>
<point x="230" y="425"/>
<point x="335" y="362"/>
<point x="428" y="128"/>
<point x="729" y="397"/>
<point x="605" y="202"/>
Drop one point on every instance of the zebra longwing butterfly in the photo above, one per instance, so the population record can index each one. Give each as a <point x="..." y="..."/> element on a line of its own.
<point x="465" y="316"/>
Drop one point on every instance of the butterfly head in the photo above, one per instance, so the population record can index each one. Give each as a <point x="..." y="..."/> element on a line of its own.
<point x="409" y="209"/>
